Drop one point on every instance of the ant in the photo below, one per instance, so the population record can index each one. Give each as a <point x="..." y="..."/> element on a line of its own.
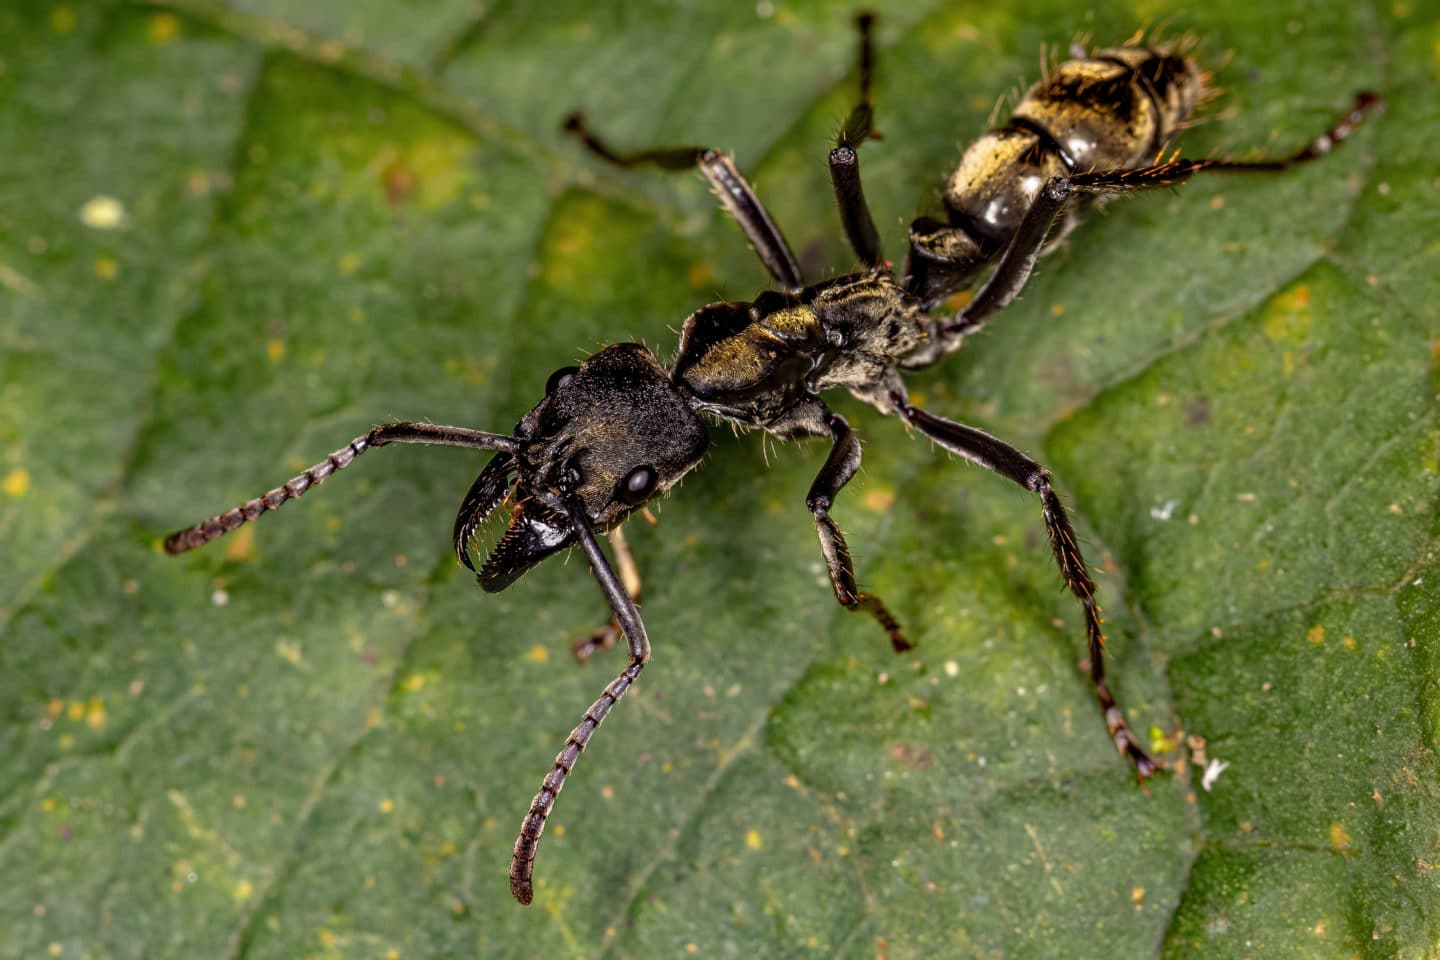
<point x="619" y="429"/>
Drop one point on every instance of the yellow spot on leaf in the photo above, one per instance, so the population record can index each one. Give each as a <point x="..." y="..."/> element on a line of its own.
<point x="66" y="741"/>
<point x="1348" y="643"/>
<point x="240" y="545"/>
<point x="1161" y="742"/>
<point x="48" y="805"/>
<point x="244" y="890"/>
<point x="75" y="711"/>
<point x="55" y="949"/>
<point x="95" y="714"/>
<point x="387" y="805"/>
<point x="392" y="954"/>
<point x="17" y="482"/>
<point x="275" y="349"/>
<point x="1057" y="309"/>
<point x="372" y="718"/>
<point x="63" y="20"/>
<point x="880" y="500"/>
<point x="101" y="212"/>
<point x="107" y="267"/>
<point x="1316" y="634"/>
<point x="328" y="939"/>
<point x="349" y="263"/>
<point x="701" y="274"/>
<point x="1287" y="316"/>
<point x="164" y="27"/>
<point x="289" y="652"/>
<point x="752" y="839"/>
<point x="414" y="683"/>
<point x="54" y="708"/>
<point x="1339" y="837"/>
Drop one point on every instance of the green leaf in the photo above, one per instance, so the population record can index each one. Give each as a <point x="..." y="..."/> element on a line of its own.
<point x="232" y="237"/>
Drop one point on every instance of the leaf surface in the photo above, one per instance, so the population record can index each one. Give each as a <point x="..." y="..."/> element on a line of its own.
<point x="234" y="237"/>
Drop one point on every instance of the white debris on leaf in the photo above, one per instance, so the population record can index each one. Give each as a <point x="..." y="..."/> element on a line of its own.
<point x="1213" y="769"/>
<point x="1165" y="510"/>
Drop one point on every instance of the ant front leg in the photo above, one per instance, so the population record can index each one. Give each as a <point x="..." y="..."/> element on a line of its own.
<point x="605" y="638"/>
<point x="840" y="466"/>
<point x="730" y="186"/>
<point x="995" y="455"/>
<point x="845" y="160"/>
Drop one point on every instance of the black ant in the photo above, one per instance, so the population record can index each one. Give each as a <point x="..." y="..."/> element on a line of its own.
<point x="619" y="430"/>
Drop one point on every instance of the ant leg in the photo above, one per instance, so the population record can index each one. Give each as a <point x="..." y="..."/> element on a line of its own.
<point x="604" y="638"/>
<point x="980" y="448"/>
<point x="1019" y="258"/>
<point x="1366" y="102"/>
<point x="845" y="160"/>
<point x="839" y="467"/>
<point x="522" y="864"/>
<point x="734" y="191"/>
<point x="402" y="432"/>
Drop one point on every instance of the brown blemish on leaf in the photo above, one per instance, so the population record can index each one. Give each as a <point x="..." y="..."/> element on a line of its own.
<point x="398" y="182"/>
<point x="911" y="755"/>
<point x="1197" y="412"/>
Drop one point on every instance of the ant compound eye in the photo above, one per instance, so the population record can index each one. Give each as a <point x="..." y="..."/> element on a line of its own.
<point x="559" y="378"/>
<point x="638" y="485"/>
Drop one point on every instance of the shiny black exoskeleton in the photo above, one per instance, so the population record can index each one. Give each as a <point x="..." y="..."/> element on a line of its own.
<point x="619" y="430"/>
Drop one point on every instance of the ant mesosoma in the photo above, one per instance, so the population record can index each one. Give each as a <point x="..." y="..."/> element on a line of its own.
<point x="619" y="430"/>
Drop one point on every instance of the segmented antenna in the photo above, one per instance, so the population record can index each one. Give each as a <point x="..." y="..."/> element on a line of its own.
<point x="402" y="432"/>
<point x="522" y="864"/>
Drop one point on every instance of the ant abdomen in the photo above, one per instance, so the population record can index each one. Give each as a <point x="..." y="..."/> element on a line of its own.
<point x="1113" y="110"/>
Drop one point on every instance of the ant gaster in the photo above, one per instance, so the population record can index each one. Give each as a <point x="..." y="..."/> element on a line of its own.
<point x="619" y="429"/>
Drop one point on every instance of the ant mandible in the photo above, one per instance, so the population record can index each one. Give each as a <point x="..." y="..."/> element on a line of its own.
<point x="619" y="430"/>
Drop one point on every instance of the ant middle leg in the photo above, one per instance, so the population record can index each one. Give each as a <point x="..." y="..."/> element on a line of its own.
<point x="839" y="468"/>
<point x="995" y="455"/>
<point x="734" y="191"/>
<point x="607" y="636"/>
<point x="845" y="160"/>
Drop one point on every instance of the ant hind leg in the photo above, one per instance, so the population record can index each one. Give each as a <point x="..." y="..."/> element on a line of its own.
<point x="995" y="455"/>
<point x="734" y="191"/>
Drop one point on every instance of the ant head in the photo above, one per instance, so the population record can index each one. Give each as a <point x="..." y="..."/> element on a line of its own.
<point x="610" y="435"/>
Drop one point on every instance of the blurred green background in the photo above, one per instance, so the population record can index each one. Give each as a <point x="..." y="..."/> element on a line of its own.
<point x="234" y="236"/>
